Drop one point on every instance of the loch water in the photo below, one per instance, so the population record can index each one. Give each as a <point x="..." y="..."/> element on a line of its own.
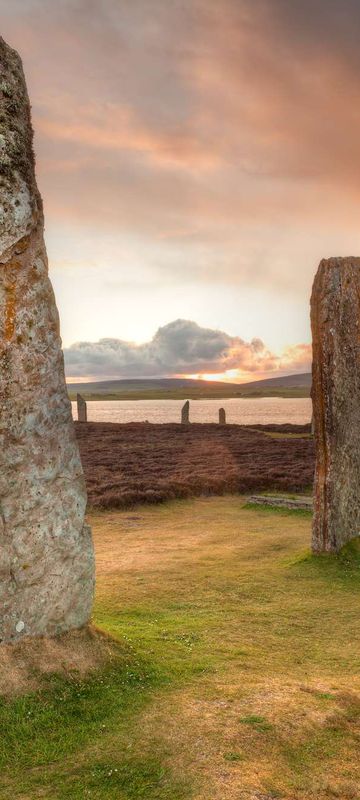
<point x="242" y="411"/>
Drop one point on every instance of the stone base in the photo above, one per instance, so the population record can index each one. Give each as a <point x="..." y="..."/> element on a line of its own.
<point x="23" y="665"/>
<point x="305" y="503"/>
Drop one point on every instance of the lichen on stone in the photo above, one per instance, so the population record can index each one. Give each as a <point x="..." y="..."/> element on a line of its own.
<point x="42" y="489"/>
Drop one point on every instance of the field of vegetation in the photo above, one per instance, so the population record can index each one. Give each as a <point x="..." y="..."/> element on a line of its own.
<point x="195" y="393"/>
<point x="235" y="677"/>
<point x="138" y="462"/>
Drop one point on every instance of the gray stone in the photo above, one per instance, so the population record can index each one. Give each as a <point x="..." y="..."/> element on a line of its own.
<point x="185" y="413"/>
<point x="281" y="501"/>
<point x="46" y="552"/>
<point x="335" y="322"/>
<point x="222" y="416"/>
<point x="81" y="408"/>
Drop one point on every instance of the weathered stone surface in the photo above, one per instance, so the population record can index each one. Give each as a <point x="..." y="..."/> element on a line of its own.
<point x="335" y="322"/>
<point x="81" y="408"/>
<point x="46" y="553"/>
<point x="185" y="413"/>
<point x="281" y="501"/>
<point x="222" y="416"/>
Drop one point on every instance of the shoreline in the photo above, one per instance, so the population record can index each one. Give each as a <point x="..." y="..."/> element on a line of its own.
<point x="287" y="394"/>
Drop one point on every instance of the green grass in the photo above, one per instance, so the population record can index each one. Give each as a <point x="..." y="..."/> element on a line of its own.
<point x="42" y="734"/>
<point x="278" y="510"/>
<point x="206" y="393"/>
<point x="307" y="492"/>
<point x="276" y="435"/>
<point x="237" y="671"/>
<point x="280" y="435"/>
<point x="257" y="721"/>
<point x="231" y="756"/>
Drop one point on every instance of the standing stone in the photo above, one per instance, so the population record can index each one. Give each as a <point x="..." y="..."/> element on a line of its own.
<point x="81" y="408"/>
<point x="46" y="553"/>
<point x="222" y="416"/>
<point x="185" y="413"/>
<point x="335" y="322"/>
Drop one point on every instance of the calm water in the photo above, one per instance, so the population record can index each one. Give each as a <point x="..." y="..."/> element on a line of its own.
<point x="242" y="411"/>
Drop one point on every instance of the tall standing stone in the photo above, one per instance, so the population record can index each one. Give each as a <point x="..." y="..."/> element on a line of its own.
<point x="185" y="413"/>
<point x="81" y="408"/>
<point x="46" y="553"/>
<point x="335" y="322"/>
<point x="222" y="416"/>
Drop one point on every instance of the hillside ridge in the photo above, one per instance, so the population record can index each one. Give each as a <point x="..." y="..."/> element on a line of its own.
<point x="183" y="388"/>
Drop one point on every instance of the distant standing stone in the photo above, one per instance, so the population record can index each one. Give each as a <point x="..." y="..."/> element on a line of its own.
<point x="222" y="416"/>
<point x="46" y="552"/>
<point x="81" y="408"/>
<point x="185" y="413"/>
<point x="335" y="323"/>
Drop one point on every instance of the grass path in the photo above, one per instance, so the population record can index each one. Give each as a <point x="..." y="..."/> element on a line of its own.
<point x="237" y="676"/>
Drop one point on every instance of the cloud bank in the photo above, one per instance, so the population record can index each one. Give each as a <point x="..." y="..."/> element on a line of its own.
<point x="206" y="144"/>
<point x="182" y="348"/>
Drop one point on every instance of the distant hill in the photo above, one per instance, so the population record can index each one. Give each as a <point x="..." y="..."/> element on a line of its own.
<point x="178" y="388"/>
<point x="302" y="380"/>
<point x="138" y="384"/>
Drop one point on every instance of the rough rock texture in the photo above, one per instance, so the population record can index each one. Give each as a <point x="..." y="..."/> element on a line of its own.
<point x="46" y="553"/>
<point x="185" y="413"/>
<point x="335" y="322"/>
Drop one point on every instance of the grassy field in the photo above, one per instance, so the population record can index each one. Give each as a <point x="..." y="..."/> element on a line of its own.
<point x="236" y="676"/>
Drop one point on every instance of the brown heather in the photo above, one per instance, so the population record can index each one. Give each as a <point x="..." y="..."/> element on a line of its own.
<point x="137" y="462"/>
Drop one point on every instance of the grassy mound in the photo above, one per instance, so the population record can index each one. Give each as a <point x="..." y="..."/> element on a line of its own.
<point x="26" y="664"/>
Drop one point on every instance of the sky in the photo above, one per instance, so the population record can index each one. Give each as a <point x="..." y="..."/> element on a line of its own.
<point x="197" y="159"/>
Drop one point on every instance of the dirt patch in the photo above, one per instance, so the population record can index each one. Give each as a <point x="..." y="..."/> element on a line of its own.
<point x="132" y="463"/>
<point x="22" y="665"/>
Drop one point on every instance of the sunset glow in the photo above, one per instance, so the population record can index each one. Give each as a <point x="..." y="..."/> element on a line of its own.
<point x="187" y="175"/>
<point x="230" y="375"/>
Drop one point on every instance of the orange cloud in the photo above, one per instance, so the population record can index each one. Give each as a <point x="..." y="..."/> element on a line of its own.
<point x="116" y="128"/>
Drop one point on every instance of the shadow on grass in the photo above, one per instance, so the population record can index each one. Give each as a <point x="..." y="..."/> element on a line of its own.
<point x="130" y="778"/>
<point x="43" y="736"/>
<point x="341" y="570"/>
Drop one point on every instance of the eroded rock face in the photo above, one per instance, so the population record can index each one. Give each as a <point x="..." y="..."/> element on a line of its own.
<point x="335" y="322"/>
<point x="46" y="553"/>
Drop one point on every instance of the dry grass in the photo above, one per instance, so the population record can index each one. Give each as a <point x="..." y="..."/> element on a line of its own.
<point x="239" y="678"/>
<point x="24" y="665"/>
<point x="262" y="637"/>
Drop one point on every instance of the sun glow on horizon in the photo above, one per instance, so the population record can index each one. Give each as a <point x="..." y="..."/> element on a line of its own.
<point x="230" y="375"/>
